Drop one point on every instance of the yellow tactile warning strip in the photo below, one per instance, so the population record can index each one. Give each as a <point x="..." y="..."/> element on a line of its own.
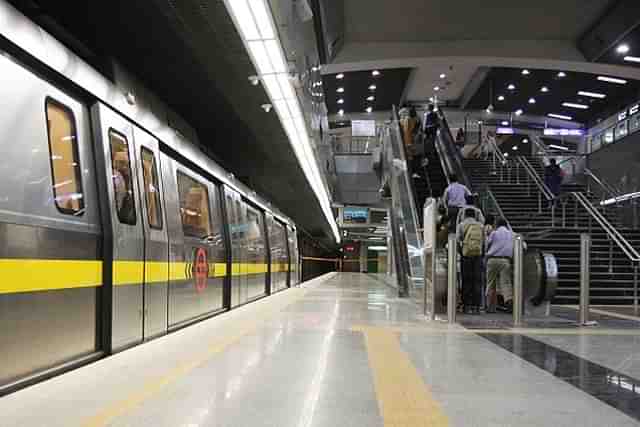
<point x="403" y="397"/>
<point x="241" y="328"/>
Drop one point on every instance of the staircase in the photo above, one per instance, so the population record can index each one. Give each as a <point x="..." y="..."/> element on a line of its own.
<point x="612" y="274"/>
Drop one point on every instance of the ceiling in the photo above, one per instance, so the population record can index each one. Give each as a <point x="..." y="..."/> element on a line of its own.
<point x="389" y="87"/>
<point x="632" y="41"/>
<point x="561" y="90"/>
<point x="437" y="20"/>
<point x="189" y="53"/>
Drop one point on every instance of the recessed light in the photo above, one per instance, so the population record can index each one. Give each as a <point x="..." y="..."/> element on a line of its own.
<point x="340" y="76"/>
<point x="340" y="101"/>
<point x="340" y="90"/>
<point x="436" y="88"/>
<point x="515" y="148"/>
<point x="375" y="73"/>
<point x="525" y="72"/>
<point x="511" y="87"/>
<point x="560" y="116"/>
<point x="519" y="112"/>
<point x="504" y="123"/>
<point x="501" y="98"/>
<point x="562" y="74"/>
<point x="544" y="89"/>
<point x="341" y="112"/>
<point x="371" y="98"/>
<point x="632" y="59"/>
<point x="443" y="76"/>
<point x="574" y="105"/>
<point x="369" y="109"/>
<point x="612" y="80"/>
<point x="623" y="48"/>
<point x="592" y="94"/>
<point x="532" y="100"/>
<point x="372" y="87"/>
<point x="558" y="147"/>
<point x="506" y="154"/>
<point x="525" y="141"/>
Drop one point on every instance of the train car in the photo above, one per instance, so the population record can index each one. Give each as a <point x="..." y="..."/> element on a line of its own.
<point x="111" y="233"/>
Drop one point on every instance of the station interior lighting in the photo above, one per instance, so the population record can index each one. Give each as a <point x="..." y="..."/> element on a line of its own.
<point x="558" y="147"/>
<point x="575" y="105"/>
<point x="622" y="49"/>
<point x="501" y="98"/>
<point x="504" y="123"/>
<point x="340" y="76"/>
<point x="592" y="94"/>
<point x="532" y="100"/>
<point x="519" y="112"/>
<point x="375" y="73"/>
<point x="369" y="109"/>
<point x="511" y="87"/>
<point x="632" y="59"/>
<point x="560" y="116"/>
<point x="372" y="87"/>
<point x="443" y="76"/>
<point x="525" y="72"/>
<point x="340" y="101"/>
<point x="544" y="89"/>
<point x="340" y="90"/>
<point x="371" y="98"/>
<point x="562" y="74"/>
<point x="255" y="23"/>
<point x="612" y="80"/>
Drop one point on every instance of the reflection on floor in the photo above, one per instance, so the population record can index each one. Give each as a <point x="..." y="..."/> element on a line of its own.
<point x="345" y="351"/>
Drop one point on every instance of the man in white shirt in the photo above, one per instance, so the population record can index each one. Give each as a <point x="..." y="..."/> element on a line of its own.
<point x="455" y="197"/>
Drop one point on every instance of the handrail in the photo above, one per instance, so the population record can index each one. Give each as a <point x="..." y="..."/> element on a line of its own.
<point x="608" y="188"/>
<point x="452" y="152"/>
<point x="445" y="164"/>
<point x="615" y="236"/>
<point x="487" y="190"/>
<point x="533" y="175"/>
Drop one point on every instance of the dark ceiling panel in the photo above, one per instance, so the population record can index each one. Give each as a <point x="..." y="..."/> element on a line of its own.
<point x="632" y="41"/>
<point x="389" y="84"/>
<point x="561" y="89"/>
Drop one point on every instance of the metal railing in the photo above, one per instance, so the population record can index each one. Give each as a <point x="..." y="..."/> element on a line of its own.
<point x="490" y="205"/>
<point x="543" y="191"/>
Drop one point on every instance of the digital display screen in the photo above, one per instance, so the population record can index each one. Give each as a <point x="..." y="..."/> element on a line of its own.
<point x="363" y="128"/>
<point x="355" y="215"/>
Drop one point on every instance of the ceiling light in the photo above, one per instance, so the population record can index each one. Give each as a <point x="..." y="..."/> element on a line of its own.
<point x="443" y="76"/>
<point x="525" y="141"/>
<point x="515" y="148"/>
<point x="623" y="48"/>
<point x="632" y="59"/>
<point x="519" y="112"/>
<point x="612" y="80"/>
<point x="560" y="116"/>
<point x="592" y="94"/>
<point x="369" y="109"/>
<point x="562" y="74"/>
<point x="340" y="76"/>
<point x="506" y="154"/>
<point x="532" y="100"/>
<point x="372" y="87"/>
<point x="525" y="72"/>
<point x="341" y="112"/>
<point x="559" y="147"/>
<point x="340" y="101"/>
<point x="574" y="105"/>
<point x="511" y="87"/>
<point x="371" y="98"/>
<point x="340" y="90"/>
<point x="377" y="248"/>
<point x="504" y="123"/>
<point x="501" y="98"/>
<point x="436" y="88"/>
<point x="375" y="73"/>
<point x="255" y="24"/>
<point x="544" y="89"/>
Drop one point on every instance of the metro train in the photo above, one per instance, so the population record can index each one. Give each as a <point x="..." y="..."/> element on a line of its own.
<point x="110" y="234"/>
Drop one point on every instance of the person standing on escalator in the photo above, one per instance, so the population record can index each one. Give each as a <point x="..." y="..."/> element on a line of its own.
<point x="455" y="197"/>
<point x="431" y="125"/>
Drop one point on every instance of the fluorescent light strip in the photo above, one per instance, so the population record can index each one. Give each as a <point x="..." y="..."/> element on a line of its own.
<point x="255" y="24"/>
<point x="632" y="59"/>
<point x="574" y="105"/>
<point x="623" y="198"/>
<point x="592" y="94"/>
<point x="558" y="147"/>
<point x="612" y="80"/>
<point x="560" y="116"/>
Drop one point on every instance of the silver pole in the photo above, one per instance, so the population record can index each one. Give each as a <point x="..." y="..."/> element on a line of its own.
<point x="635" y="288"/>
<point x="585" y="278"/>
<point x="452" y="288"/>
<point x="517" y="281"/>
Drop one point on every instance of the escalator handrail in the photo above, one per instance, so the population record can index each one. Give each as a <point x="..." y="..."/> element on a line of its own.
<point x="452" y="152"/>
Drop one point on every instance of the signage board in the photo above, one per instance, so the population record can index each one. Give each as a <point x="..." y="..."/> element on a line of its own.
<point x="363" y="128"/>
<point x="563" y="132"/>
<point x="504" y="131"/>
<point x="355" y="215"/>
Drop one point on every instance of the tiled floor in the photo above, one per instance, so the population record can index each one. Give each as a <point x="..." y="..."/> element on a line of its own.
<point x="343" y="351"/>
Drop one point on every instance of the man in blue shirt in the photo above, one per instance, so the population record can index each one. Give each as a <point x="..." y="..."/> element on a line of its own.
<point x="455" y="197"/>
<point x="499" y="274"/>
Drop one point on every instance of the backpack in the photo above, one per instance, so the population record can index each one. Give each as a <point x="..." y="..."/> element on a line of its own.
<point x="472" y="243"/>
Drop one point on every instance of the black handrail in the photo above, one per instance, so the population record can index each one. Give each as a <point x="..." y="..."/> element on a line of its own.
<point x="453" y="154"/>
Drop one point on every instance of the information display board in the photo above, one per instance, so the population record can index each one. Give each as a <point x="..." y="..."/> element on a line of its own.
<point x="363" y="128"/>
<point x="355" y="215"/>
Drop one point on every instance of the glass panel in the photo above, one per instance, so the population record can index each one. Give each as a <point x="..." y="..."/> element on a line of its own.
<point x="634" y="123"/>
<point x="121" y="176"/>
<point x="596" y="142"/>
<point x="256" y="253"/>
<point x="608" y="136"/>
<point x="279" y="258"/>
<point x="151" y="189"/>
<point x="621" y="130"/>
<point x="65" y="163"/>
<point x="194" y="207"/>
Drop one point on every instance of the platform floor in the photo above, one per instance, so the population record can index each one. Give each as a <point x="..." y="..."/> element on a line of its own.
<point x="344" y="351"/>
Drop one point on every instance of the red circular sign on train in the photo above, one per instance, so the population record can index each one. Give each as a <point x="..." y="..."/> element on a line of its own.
<point x="201" y="269"/>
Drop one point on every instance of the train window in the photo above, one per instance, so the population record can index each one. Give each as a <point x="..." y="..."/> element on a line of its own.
<point x="194" y="207"/>
<point x="151" y="189"/>
<point x="65" y="161"/>
<point x="122" y="182"/>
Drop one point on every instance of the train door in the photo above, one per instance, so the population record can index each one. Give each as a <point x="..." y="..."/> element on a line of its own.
<point x="156" y="244"/>
<point x="232" y="202"/>
<point x="294" y="273"/>
<point x="117" y="155"/>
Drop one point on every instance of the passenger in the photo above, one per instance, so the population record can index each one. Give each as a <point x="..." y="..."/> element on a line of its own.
<point x="454" y="199"/>
<point x="122" y="192"/>
<point x="410" y="127"/>
<point x="499" y="255"/>
<point x="553" y="177"/>
<point x="470" y="204"/>
<point x="471" y="238"/>
<point x="431" y="125"/>
<point x="460" y="140"/>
